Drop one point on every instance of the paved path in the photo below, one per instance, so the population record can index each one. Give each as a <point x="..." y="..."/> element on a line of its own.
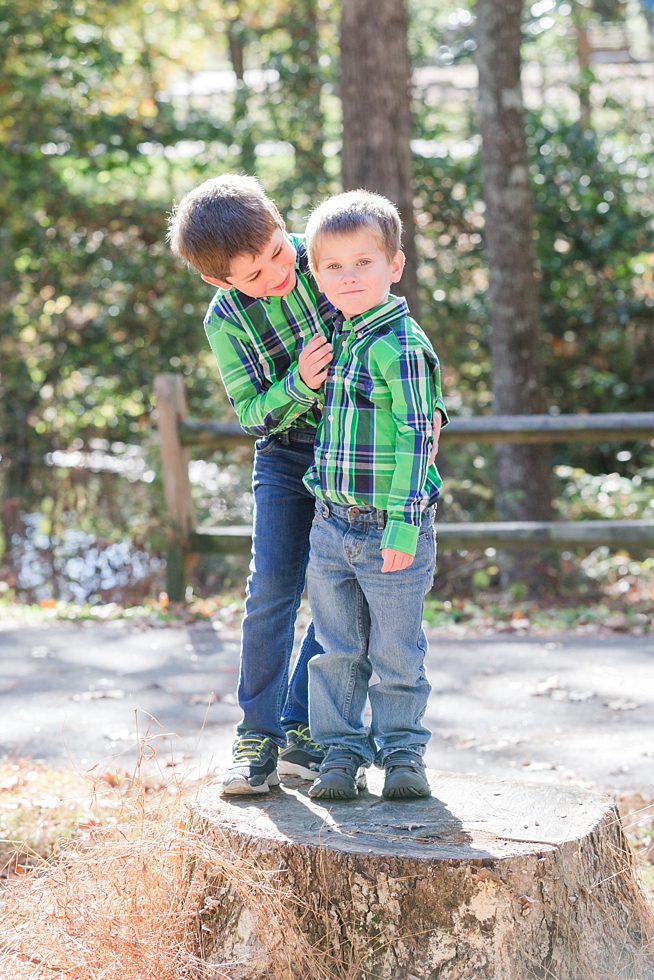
<point x="565" y="708"/>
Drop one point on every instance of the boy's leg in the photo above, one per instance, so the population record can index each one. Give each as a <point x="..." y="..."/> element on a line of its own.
<point x="338" y="680"/>
<point x="283" y="512"/>
<point x="398" y="644"/>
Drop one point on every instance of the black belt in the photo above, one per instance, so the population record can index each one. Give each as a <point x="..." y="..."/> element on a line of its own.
<point x="295" y="435"/>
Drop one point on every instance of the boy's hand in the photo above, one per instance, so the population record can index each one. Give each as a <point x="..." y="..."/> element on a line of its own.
<point x="438" y="422"/>
<point x="313" y="361"/>
<point x="395" y="561"/>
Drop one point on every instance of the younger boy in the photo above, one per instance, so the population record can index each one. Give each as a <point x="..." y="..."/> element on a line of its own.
<point x="268" y="326"/>
<point x="372" y="542"/>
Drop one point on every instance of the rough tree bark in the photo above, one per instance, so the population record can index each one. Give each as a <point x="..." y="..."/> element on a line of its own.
<point x="307" y="138"/>
<point x="237" y="41"/>
<point x="523" y="478"/>
<point x="491" y="880"/>
<point x="375" y="80"/>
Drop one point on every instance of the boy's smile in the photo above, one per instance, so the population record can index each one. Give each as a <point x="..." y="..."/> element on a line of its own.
<point x="271" y="273"/>
<point x="355" y="273"/>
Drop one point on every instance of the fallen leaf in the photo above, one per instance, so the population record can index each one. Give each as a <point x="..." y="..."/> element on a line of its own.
<point x="99" y="695"/>
<point x="621" y="704"/>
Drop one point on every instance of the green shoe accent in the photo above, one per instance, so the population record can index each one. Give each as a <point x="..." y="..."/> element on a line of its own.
<point x="302" y="756"/>
<point x="254" y="766"/>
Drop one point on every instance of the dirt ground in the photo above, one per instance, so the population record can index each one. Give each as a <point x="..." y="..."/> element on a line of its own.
<point x="560" y="708"/>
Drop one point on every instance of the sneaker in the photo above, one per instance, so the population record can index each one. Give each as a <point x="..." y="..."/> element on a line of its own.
<point x="254" y="766"/>
<point x="302" y="756"/>
<point x="342" y="774"/>
<point x="405" y="776"/>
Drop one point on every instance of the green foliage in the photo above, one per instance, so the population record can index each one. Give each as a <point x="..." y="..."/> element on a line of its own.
<point x="104" y="124"/>
<point x="594" y="247"/>
<point x="92" y="303"/>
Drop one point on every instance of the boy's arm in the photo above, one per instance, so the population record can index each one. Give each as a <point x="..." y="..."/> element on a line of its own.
<point x="410" y="379"/>
<point x="259" y="409"/>
<point x="440" y="412"/>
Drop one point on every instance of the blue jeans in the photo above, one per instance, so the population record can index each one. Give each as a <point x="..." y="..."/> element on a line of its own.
<point x="367" y="622"/>
<point x="283" y="512"/>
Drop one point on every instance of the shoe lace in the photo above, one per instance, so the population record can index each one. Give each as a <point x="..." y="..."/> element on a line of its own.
<point x="249" y="748"/>
<point x="303" y="735"/>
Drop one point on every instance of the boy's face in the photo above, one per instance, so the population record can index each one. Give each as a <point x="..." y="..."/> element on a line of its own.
<point x="354" y="272"/>
<point x="271" y="273"/>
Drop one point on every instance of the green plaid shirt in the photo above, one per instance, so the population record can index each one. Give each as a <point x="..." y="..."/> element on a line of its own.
<point x="257" y="343"/>
<point x="376" y="433"/>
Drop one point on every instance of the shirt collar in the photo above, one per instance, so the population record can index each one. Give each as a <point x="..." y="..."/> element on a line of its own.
<point x="380" y="315"/>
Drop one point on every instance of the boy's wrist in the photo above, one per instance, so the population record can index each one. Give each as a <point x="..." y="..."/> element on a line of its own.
<point x="298" y="389"/>
<point x="401" y="536"/>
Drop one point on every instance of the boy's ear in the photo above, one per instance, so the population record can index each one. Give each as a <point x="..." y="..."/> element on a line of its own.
<point x="397" y="266"/>
<point x="222" y="283"/>
<point x="282" y="223"/>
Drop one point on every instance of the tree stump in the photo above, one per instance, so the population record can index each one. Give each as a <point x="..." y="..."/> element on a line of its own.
<point x="485" y="880"/>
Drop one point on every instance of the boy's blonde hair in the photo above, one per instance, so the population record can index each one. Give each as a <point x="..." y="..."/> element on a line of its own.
<point x="346" y="213"/>
<point x="224" y="217"/>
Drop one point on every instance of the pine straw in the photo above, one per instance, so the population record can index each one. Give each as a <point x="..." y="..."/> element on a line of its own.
<point x="129" y="903"/>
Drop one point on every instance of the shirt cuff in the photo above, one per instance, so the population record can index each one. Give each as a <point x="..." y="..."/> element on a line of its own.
<point x="440" y="406"/>
<point x="296" y="388"/>
<point x="401" y="536"/>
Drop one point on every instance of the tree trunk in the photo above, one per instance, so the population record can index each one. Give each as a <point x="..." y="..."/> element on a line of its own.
<point x="523" y="472"/>
<point x="496" y="881"/>
<point x="307" y="138"/>
<point x="236" y="40"/>
<point x="586" y="78"/>
<point x="375" y="81"/>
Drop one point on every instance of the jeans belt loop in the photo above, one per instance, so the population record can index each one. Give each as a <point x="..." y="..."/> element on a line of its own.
<point x="382" y="519"/>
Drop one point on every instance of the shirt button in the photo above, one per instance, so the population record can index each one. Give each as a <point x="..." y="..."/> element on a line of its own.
<point x="331" y="418"/>
<point x="326" y="455"/>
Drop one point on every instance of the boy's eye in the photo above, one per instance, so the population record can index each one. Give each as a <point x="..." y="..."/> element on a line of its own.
<point x="333" y="265"/>
<point x="363" y="262"/>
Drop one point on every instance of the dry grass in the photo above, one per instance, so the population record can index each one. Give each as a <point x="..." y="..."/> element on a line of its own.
<point x="114" y="882"/>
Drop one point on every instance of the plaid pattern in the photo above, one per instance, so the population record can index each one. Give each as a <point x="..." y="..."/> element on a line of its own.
<point x="373" y="443"/>
<point x="257" y="343"/>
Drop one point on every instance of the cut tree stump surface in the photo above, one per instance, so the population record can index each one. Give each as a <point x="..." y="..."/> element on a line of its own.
<point x="467" y="819"/>
<point x="494" y="880"/>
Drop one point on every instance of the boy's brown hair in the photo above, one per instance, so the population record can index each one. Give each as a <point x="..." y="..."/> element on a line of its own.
<point x="224" y="217"/>
<point x="346" y="213"/>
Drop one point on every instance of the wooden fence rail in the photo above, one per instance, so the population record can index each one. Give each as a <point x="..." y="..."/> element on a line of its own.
<point x="177" y="433"/>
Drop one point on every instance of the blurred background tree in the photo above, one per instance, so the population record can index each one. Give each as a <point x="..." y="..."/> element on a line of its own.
<point x="110" y="112"/>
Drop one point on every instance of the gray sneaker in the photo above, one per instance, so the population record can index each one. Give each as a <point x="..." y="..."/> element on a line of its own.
<point x="254" y="766"/>
<point x="405" y="776"/>
<point x="342" y="774"/>
<point x="302" y="756"/>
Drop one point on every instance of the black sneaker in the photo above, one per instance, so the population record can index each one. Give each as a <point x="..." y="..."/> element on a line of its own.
<point x="342" y="774"/>
<point x="405" y="776"/>
<point x="302" y="756"/>
<point x="254" y="766"/>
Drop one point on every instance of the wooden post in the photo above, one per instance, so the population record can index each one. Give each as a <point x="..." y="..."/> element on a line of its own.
<point x="171" y="409"/>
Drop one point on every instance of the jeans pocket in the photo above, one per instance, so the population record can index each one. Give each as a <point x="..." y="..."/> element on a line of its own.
<point x="265" y="446"/>
<point x="426" y="533"/>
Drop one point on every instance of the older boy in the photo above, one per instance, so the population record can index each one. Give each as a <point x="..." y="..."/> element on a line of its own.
<point x="268" y="326"/>
<point x="372" y="542"/>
